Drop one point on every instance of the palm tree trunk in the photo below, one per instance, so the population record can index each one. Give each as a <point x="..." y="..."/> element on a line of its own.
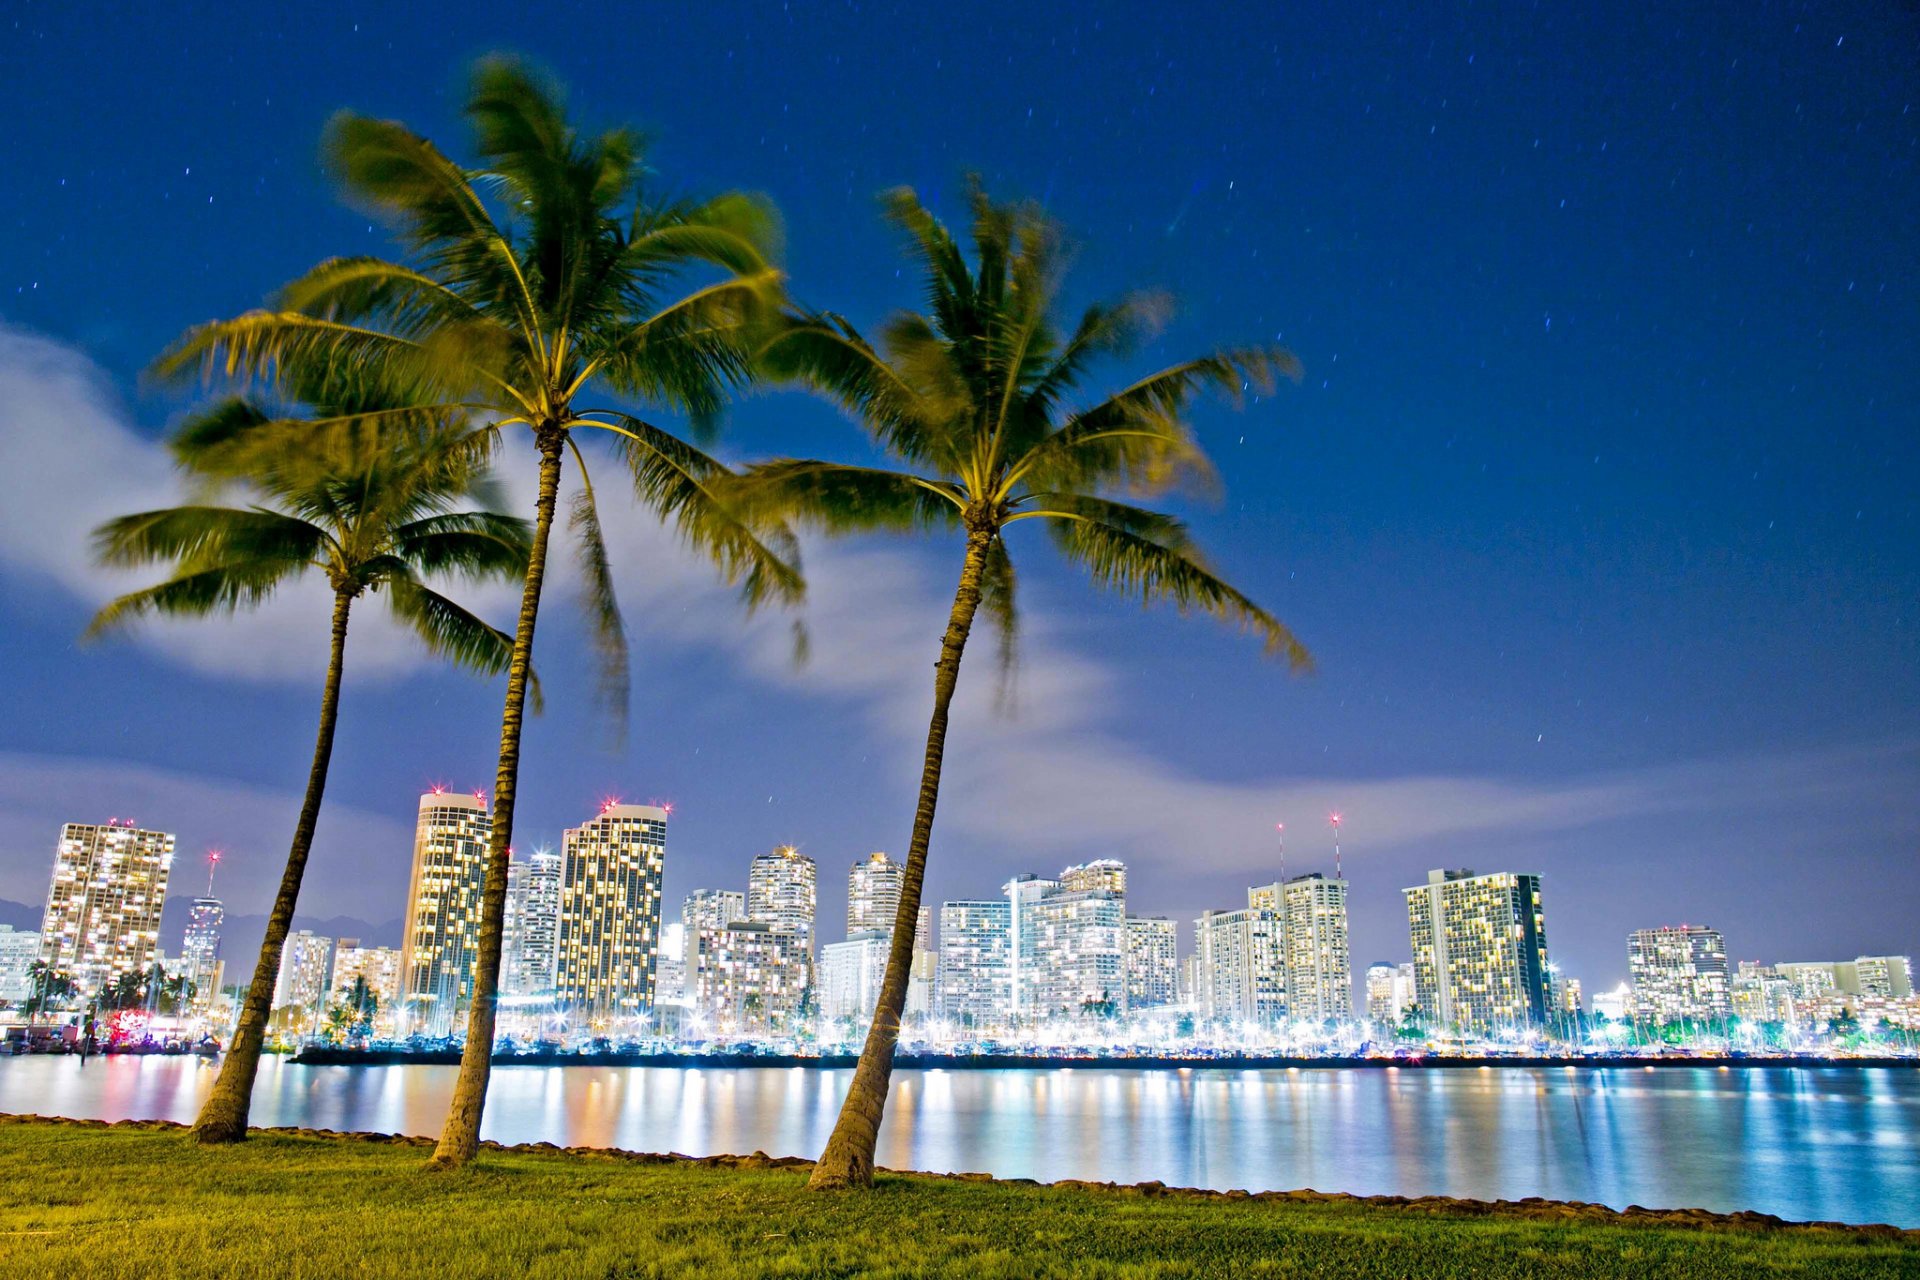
<point x="460" y="1136"/>
<point x="848" y="1159"/>
<point x="223" y="1117"/>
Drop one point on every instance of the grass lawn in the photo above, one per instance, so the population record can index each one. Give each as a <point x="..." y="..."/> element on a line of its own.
<point x="85" y="1201"/>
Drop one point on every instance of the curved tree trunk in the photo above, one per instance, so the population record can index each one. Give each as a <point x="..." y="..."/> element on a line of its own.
<point x="460" y="1136"/>
<point x="223" y="1117"/>
<point x="848" y="1159"/>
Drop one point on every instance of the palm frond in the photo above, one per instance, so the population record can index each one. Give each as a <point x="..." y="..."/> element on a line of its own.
<point x="222" y="534"/>
<point x="997" y="599"/>
<point x="453" y="633"/>
<point x="477" y="545"/>
<point x="613" y="680"/>
<point x="840" y="499"/>
<point x="1149" y="556"/>
<point x="677" y="482"/>
<point x="197" y="591"/>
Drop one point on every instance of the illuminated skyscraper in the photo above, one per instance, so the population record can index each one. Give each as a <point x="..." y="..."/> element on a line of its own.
<point x="610" y="911"/>
<point x="200" y="949"/>
<point x="1479" y="950"/>
<point x="380" y="966"/>
<point x="1390" y="990"/>
<point x="1679" y="972"/>
<point x="18" y="951"/>
<point x="762" y="978"/>
<point x="103" y="908"/>
<point x="781" y="892"/>
<point x="532" y="941"/>
<point x="976" y="963"/>
<point x="306" y="962"/>
<point x="1319" y="975"/>
<point x="704" y="918"/>
<point x="1239" y="968"/>
<point x="1068" y="942"/>
<point x="851" y="973"/>
<point x="442" y="938"/>
<point x="1153" y="963"/>
<point x="873" y="893"/>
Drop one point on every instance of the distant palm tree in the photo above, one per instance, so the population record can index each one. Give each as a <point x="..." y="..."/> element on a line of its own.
<point x="45" y="985"/>
<point x="542" y="274"/>
<point x="372" y="504"/>
<point x="972" y="398"/>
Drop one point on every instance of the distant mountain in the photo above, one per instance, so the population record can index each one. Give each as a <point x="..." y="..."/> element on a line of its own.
<point x="29" y="918"/>
<point x="240" y="936"/>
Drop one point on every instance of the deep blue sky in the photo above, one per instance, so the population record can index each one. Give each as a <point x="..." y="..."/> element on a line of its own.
<point x="1597" y="505"/>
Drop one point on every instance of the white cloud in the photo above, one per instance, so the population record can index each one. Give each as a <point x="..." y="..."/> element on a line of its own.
<point x="70" y="459"/>
<point x="40" y="793"/>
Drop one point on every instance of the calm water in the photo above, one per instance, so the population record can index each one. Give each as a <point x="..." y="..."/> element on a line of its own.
<point x="1832" y="1144"/>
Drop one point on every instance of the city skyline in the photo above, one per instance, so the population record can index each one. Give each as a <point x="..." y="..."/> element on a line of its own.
<point x="1595" y="508"/>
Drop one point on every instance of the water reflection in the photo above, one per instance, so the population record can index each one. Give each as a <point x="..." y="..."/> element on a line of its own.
<point x="1810" y="1143"/>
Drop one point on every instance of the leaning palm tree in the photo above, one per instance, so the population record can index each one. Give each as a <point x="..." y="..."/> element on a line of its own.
<point x="973" y="400"/>
<point x="542" y="277"/>
<point x="371" y="509"/>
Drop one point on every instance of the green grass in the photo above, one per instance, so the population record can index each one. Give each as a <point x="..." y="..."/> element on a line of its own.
<point x="142" y="1202"/>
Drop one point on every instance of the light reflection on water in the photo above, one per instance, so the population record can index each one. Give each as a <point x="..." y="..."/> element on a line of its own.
<point x="1802" y="1143"/>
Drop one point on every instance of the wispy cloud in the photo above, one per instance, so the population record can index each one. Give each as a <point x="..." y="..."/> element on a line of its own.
<point x="70" y="458"/>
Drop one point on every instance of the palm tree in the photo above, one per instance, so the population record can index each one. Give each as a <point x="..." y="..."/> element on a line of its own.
<point x="545" y="273"/>
<point x="45" y="985"/>
<point x="973" y="400"/>
<point x="372" y="508"/>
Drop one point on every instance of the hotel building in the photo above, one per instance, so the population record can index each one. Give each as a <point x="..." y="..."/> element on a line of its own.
<point x="306" y="961"/>
<point x="873" y="893"/>
<point x="103" y="908"/>
<point x="1679" y="972"/>
<point x="1479" y="950"/>
<point x="532" y="940"/>
<point x="610" y="912"/>
<point x="976" y="963"/>
<point x="442" y="938"/>
<point x="1153" y="964"/>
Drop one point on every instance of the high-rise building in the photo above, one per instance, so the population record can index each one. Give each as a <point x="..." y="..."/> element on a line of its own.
<point x="1153" y="963"/>
<point x="103" y="908"/>
<point x="851" y="973"/>
<point x="1679" y="972"/>
<point x="976" y="963"/>
<point x="1479" y="949"/>
<point x="18" y="951"/>
<point x="762" y="977"/>
<point x="1389" y="993"/>
<point x="532" y="940"/>
<point x="873" y="893"/>
<point x="379" y="966"/>
<point x="1758" y="994"/>
<point x="1069" y="942"/>
<point x="442" y="939"/>
<point x="670" y="965"/>
<point x="781" y="892"/>
<point x="1319" y="975"/>
<point x="200" y="949"/>
<point x="704" y="918"/>
<point x="1102" y="874"/>
<point x="1240" y="966"/>
<point x="610" y="912"/>
<point x="1885" y="976"/>
<point x="1889" y="977"/>
<point x="306" y="962"/>
<point x="922" y="983"/>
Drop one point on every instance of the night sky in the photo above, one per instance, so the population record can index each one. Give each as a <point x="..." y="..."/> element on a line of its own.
<point x="1596" y="506"/>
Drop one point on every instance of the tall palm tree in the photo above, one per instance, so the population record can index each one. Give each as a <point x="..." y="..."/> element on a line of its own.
<point x="973" y="400"/>
<point x="371" y="508"/>
<point x="536" y="279"/>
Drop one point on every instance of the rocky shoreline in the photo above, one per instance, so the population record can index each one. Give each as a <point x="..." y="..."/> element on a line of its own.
<point x="1531" y="1208"/>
